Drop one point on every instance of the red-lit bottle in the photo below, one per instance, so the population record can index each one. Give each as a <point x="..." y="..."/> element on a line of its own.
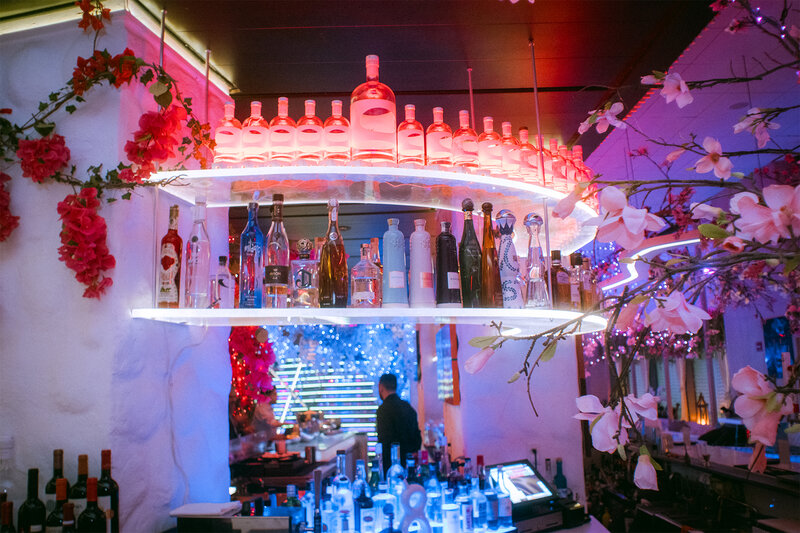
<point x="255" y="137"/>
<point x="510" y="150"/>
<point x="92" y="519"/>
<point x="336" y="135"/>
<point x="169" y="264"/>
<point x="309" y="134"/>
<point x="490" y="152"/>
<point x="465" y="143"/>
<point x="410" y="139"/>
<point x="282" y="134"/>
<point x="439" y="141"/>
<point x="373" y="119"/>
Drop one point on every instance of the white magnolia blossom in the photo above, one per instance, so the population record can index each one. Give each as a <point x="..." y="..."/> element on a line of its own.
<point x="755" y="122"/>
<point x="714" y="161"/>
<point x="675" y="89"/>
<point x="604" y="119"/>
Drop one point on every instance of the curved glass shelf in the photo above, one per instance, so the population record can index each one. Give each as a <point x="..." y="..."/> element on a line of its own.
<point x="527" y="321"/>
<point x="432" y="187"/>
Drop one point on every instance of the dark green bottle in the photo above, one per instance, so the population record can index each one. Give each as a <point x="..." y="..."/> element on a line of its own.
<point x="32" y="513"/>
<point x="469" y="259"/>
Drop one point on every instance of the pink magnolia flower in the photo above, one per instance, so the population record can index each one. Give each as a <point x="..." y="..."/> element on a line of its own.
<point x="675" y="89"/>
<point x="645" y="476"/>
<point x="650" y="80"/>
<point x="760" y="407"/>
<point x="714" y="161"/>
<point x="733" y="244"/>
<point x="676" y="315"/>
<point x="755" y="122"/>
<point x="566" y="205"/>
<point x="771" y="222"/>
<point x="627" y="316"/>
<point x="622" y="223"/>
<point x="704" y="211"/>
<point x="607" y="433"/>
<point x="644" y="407"/>
<point x="478" y="361"/>
<point x="742" y="198"/>
<point x="673" y="156"/>
<point x="604" y="119"/>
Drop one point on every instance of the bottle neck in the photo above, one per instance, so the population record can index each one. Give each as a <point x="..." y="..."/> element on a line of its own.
<point x="395" y="455"/>
<point x="341" y="464"/>
<point x="33" y="484"/>
<point x="277" y="212"/>
<point x="252" y="214"/>
<point x="333" y="221"/>
<point x="173" y="219"/>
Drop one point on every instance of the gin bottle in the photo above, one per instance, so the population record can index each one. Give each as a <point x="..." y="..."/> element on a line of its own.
<point x="305" y="277"/>
<point x="276" y="279"/>
<point x="333" y="283"/>
<point x="222" y="285"/>
<point x="510" y="278"/>
<point x="395" y="293"/>
<point x="420" y="275"/>
<point x="439" y="141"/>
<point x="366" y="281"/>
<point x="283" y="134"/>
<point x="228" y="139"/>
<point x="528" y="157"/>
<point x="251" y="262"/>
<point x="536" y="285"/>
<point x="309" y="135"/>
<point x="510" y="150"/>
<point x="448" y="280"/>
<point x="336" y="135"/>
<point x="465" y="143"/>
<point x="491" y="288"/>
<point x="490" y="153"/>
<point x="410" y="140"/>
<point x="469" y="259"/>
<point x="169" y="264"/>
<point x="198" y="260"/>
<point x="255" y="137"/>
<point x="373" y="119"/>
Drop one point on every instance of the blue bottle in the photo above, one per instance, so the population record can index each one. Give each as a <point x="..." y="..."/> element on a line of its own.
<point x="251" y="262"/>
<point x="395" y="289"/>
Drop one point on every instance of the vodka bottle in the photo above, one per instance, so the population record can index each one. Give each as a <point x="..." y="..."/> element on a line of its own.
<point x="492" y="507"/>
<point x="223" y="290"/>
<point x="198" y="260"/>
<point x="490" y="152"/>
<point x="379" y="501"/>
<point x="469" y="259"/>
<point x="255" y="137"/>
<point x="410" y="140"/>
<point x="228" y="139"/>
<point x="433" y="508"/>
<point x="465" y="143"/>
<point x="528" y="157"/>
<point x="420" y="275"/>
<point x="479" y="504"/>
<point x="510" y="150"/>
<point x="364" y="519"/>
<point x="504" y="519"/>
<point x="309" y="135"/>
<point x="308" y="503"/>
<point x="251" y="262"/>
<point x="510" y="276"/>
<point x="536" y="285"/>
<point x="366" y="281"/>
<point x="395" y="293"/>
<point x="276" y="279"/>
<point x="305" y="277"/>
<point x="169" y="264"/>
<point x="283" y="134"/>
<point x="465" y="513"/>
<point x="575" y="261"/>
<point x="373" y="119"/>
<point x="439" y="141"/>
<point x="336" y="135"/>
<point x="333" y="285"/>
<point x="396" y="475"/>
<point x="448" y="280"/>
<point x="491" y="287"/>
<point x="342" y="488"/>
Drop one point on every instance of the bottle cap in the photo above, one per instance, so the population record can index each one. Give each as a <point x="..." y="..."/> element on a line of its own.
<point x="229" y="110"/>
<point x="533" y="220"/>
<point x="83" y="465"/>
<point x="304" y="247"/>
<point x="523" y="134"/>
<point x="105" y="458"/>
<point x="333" y="202"/>
<point x="69" y="513"/>
<point x="91" y="489"/>
<point x="336" y="108"/>
<point x="419" y="223"/>
<point x="575" y="259"/>
<point x="467" y="205"/>
<point x="255" y="108"/>
<point x="283" y="106"/>
<point x="555" y="255"/>
<point x="58" y="459"/>
<point x="277" y="197"/>
<point x="479" y="460"/>
<point x="438" y="115"/>
<point x="445" y="229"/>
<point x="291" y="491"/>
<point x="372" y="66"/>
<point x="223" y="260"/>
<point x="488" y="124"/>
<point x="6" y="513"/>
<point x="410" y="112"/>
<point x="463" y="118"/>
<point x="61" y="489"/>
<point x="393" y="221"/>
<point x="506" y="129"/>
<point x="486" y="207"/>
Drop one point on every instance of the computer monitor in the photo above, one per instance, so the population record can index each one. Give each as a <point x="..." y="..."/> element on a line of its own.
<point x="521" y="481"/>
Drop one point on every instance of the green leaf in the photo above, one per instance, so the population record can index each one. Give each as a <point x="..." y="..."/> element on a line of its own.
<point x="70" y="109"/>
<point x="549" y="351"/>
<point x="80" y="99"/>
<point x="673" y="261"/>
<point x="126" y="196"/>
<point x="157" y="88"/>
<point x="595" y="421"/>
<point x="790" y="264"/>
<point x="643" y="450"/>
<point x="482" y="341"/>
<point x="515" y="377"/>
<point x="44" y="128"/>
<point x="739" y="175"/>
<point x="42" y="106"/>
<point x="655" y="464"/>
<point x="712" y="231"/>
<point x="53" y="97"/>
<point x="186" y="140"/>
<point x="164" y="99"/>
<point x="621" y="452"/>
<point x="147" y="77"/>
<point x="794" y="428"/>
<point x="111" y="200"/>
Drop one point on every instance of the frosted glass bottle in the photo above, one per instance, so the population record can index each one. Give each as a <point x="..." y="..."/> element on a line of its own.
<point x="555" y="176"/>
<point x="198" y="260"/>
<point x="510" y="277"/>
<point x="465" y="143"/>
<point x="420" y="274"/>
<point x="336" y="135"/>
<point x="536" y="296"/>
<point x="490" y="154"/>
<point x="439" y="141"/>
<point x="228" y="139"/>
<point x="373" y="119"/>
<point x="255" y="137"/>
<point x="566" y="168"/>
<point x="410" y="140"/>
<point x="395" y="293"/>
<point x="510" y="150"/>
<point x="309" y="135"/>
<point x="528" y="157"/>
<point x="282" y="134"/>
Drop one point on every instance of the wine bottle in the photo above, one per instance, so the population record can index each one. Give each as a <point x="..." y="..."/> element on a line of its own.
<point x="282" y="134"/>
<point x="395" y="293"/>
<point x="32" y="512"/>
<point x="366" y="281"/>
<point x="465" y="143"/>
<point x="77" y="493"/>
<point x="448" y="280"/>
<point x="336" y="135"/>
<point x="491" y="288"/>
<point x="276" y="284"/>
<point x="228" y="139"/>
<point x="251" y="262"/>
<point x="255" y="137"/>
<point x="55" y="518"/>
<point x="489" y="148"/>
<point x="58" y="473"/>
<point x="439" y="141"/>
<point x="469" y="259"/>
<point x="68" y="522"/>
<point x="309" y="134"/>
<point x="108" y="490"/>
<point x="7" y="517"/>
<point x="198" y="260"/>
<point x="169" y="264"/>
<point x="373" y="119"/>
<point x="559" y="281"/>
<point x="410" y="140"/>
<point x="420" y="274"/>
<point x="333" y="280"/>
<point x="92" y="519"/>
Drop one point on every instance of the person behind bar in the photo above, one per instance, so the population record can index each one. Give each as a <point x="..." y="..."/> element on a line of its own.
<point x="264" y="416"/>
<point x="396" y="421"/>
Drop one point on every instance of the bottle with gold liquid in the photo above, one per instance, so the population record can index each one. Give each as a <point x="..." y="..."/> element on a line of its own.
<point x="491" y="288"/>
<point x="276" y="279"/>
<point x="559" y="282"/>
<point x="333" y="275"/>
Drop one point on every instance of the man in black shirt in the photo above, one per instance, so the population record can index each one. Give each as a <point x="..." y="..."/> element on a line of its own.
<point x="396" y="421"/>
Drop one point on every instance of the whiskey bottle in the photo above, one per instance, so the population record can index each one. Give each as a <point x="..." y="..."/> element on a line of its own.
<point x="373" y="119"/>
<point x="283" y="134"/>
<point x="420" y="274"/>
<point x="469" y="259"/>
<point x="228" y="139"/>
<point x="366" y="281"/>
<point x="575" y="261"/>
<point x="251" y="262"/>
<point x="276" y="279"/>
<point x="465" y="143"/>
<point x="439" y="141"/>
<point x="410" y="140"/>
<point x="448" y="280"/>
<point x="333" y="282"/>
<point x="559" y="281"/>
<point x="490" y="152"/>
<point x="336" y="135"/>
<point x="589" y="292"/>
<point x="305" y="277"/>
<point x="169" y="264"/>
<point x="255" y="137"/>
<point x="491" y="288"/>
<point x="198" y="260"/>
<point x="309" y="135"/>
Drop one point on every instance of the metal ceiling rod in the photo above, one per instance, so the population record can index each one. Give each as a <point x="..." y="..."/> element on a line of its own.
<point x="208" y="76"/>
<point x="471" y="99"/>
<point x="163" y="32"/>
<point x="536" y="108"/>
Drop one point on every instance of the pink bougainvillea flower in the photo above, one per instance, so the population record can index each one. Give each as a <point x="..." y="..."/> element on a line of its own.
<point x="676" y="315"/>
<point x="478" y="361"/>
<point x="742" y="199"/>
<point x="645" y="474"/>
<point x="714" y="161"/>
<point x="604" y="119"/>
<point x="733" y="244"/>
<point x="760" y="407"/>
<point x="675" y="89"/>
<point x="622" y="223"/>
<point x="704" y="211"/>
<point x="566" y="205"/>
<point x="758" y="126"/>
<point x="606" y="431"/>
<point x="41" y="158"/>
<point x="773" y="221"/>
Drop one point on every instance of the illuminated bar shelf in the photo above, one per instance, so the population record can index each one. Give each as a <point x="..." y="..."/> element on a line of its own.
<point x="528" y="321"/>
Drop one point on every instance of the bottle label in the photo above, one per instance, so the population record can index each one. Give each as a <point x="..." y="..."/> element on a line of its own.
<point x="303" y="279"/>
<point x="575" y="295"/>
<point x="397" y="279"/>
<point x="282" y="137"/>
<point x="228" y="140"/>
<point x="453" y="280"/>
<point x="490" y="152"/>
<point x="465" y="146"/>
<point x="37" y="528"/>
<point x="170" y="265"/>
<point x="277" y="275"/>
<point x="104" y="502"/>
<point x="426" y="280"/>
<point x="440" y="145"/>
<point x="51" y="529"/>
<point x="337" y="138"/>
<point x="504" y="507"/>
<point x="410" y="143"/>
<point x="562" y="277"/>
<point x="373" y="124"/>
<point x="80" y="505"/>
<point x="255" y="140"/>
<point x="361" y="296"/>
<point x="309" y="138"/>
<point x="50" y="502"/>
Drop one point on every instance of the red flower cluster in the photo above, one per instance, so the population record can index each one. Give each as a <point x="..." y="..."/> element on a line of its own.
<point x="83" y="241"/>
<point x="250" y="360"/>
<point x="93" y="14"/>
<point x="155" y="141"/>
<point x="7" y="221"/>
<point x="119" y="69"/>
<point x="41" y="158"/>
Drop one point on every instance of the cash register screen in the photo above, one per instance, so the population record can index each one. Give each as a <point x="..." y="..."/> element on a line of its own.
<point x="520" y="481"/>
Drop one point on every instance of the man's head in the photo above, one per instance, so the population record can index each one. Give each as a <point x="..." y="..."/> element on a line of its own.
<point x="387" y="385"/>
<point x="272" y="396"/>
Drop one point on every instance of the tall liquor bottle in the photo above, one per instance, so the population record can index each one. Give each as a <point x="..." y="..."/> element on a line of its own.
<point x="528" y="160"/>
<point x="305" y="277"/>
<point x="7" y="517"/>
<point x="375" y="252"/>
<point x="309" y="134"/>
<point x="364" y="506"/>
<point x="223" y="289"/>
<point x="50" y="488"/>
<point x="55" y="518"/>
<point x="575" y="261"/>
<point x="32" y="512"/>
<point x="490" y="153"/>
<point x="536" y="296"/>
<point x="439" y="141"/>
<point x="395" y="293"/>
<point x="510" y="278"/>
<point x="276" y="279"/>
<point x="366" y="281"/>
<point x="448" y="280"/>
<point x="169" y="264"/>
<point x="251" y="262"/>
<point x="282" y="134"/>
<point x="333" y="282"/>
<point x="589" y="296"/>
<point x="420" y="274"/>
<point x="228" y="139"/>
<point x="510" y="149"/>
<point x="108" y="490"/>
<point x="255" y="137"/>
<point x="373" y="119"/>
<point x="469" y="259"/>
<point x="465" y="143"/>
<point x="336" y="135"/>
<point x="410" y="140"/>
<point x="92" y="519"/>
<point x="77" y="493"/>
<point x="491" y="288"/>
<point x="559" y="281"/>
<point x="198" y="260"/>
